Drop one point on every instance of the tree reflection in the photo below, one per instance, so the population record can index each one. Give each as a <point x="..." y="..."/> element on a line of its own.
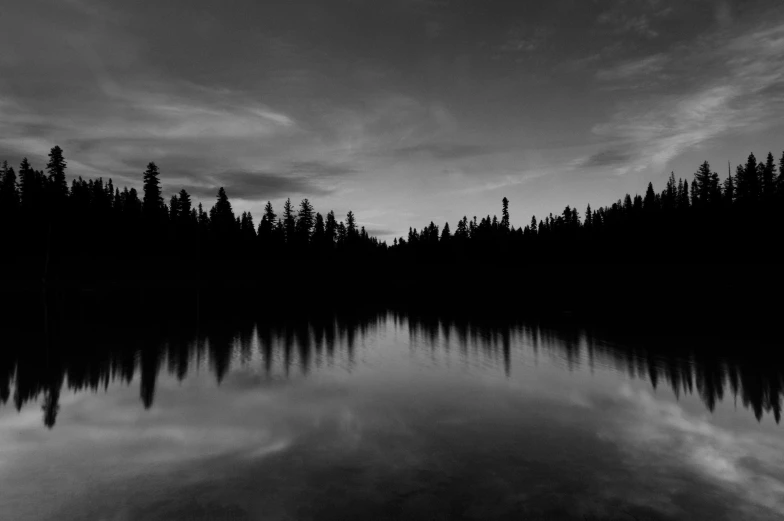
<point x="34" y="369"/>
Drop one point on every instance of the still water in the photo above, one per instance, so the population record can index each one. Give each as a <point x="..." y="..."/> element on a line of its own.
<point x="386" y="417"/>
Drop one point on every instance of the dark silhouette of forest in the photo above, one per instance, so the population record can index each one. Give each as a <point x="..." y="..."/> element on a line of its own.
<point x="36" y="365"/>
<point x="50" y="228"/>
<point x="682" y="251"/>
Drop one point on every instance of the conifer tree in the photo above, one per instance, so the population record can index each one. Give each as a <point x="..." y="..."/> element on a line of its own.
<point x="184" y="206"/>
<point x="330" y="228"/>
<point x="769" y="177"/>
<point x="505" y="214"/>
<point x="703" y="184"/>
<point x="9" y="195"/>
<point x="318" y="230"/>
<point x="152" y="201"/>
<point x="649" y="203"/>
<point x="351" y="224"/>
<point x="222" y="218"/>
<point x="289" y="222"/>
<point x="746" y="181"/>
<point x="446" y="234"/>
<point x="304" y="221"/>
<point x="56" y="169"/>
<point x="780" y="181"/>
<point x="174" y="208"/>
<point x="729" y="188"/>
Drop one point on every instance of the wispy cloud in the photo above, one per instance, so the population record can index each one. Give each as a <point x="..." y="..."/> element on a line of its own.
<point x="633" y="69"/>
<point x="641" y="22"/>
<point x="609" y="157"/>
<point x="444" y="151"/>
<point x="741" y="94"/>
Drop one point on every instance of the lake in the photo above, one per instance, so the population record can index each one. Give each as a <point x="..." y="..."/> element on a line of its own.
<point x="386" y="416"/>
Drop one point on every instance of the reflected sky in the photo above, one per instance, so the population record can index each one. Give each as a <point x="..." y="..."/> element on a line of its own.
<point x="392" y="419"/>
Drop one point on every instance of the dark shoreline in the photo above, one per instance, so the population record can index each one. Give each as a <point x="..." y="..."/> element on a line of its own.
<point x="654" y="298"/>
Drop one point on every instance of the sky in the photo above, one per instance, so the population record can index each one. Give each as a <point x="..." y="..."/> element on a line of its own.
<point x="402" y="111"/>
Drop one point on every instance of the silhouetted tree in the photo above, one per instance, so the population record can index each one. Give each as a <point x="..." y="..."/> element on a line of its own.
<point x="289" y="221"/>
<point x="56" y="169"/>
<point x="152" y="202"/>
<point x="305" y="221"/>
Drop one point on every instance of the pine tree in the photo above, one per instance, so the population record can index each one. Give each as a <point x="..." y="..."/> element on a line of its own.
<point x="174" y="208"/>
<point x="56" y="169"/>
<point x="318" y="230"/>
<point x="672" y="193"/>
<point x="304" y="221"/>
<point x="222" y="218"/>
<point x="152" y="201"/>
<point x="185" y="206"/>
<point x="769" y="177"/>
<point x="9" y="195"/>
<point x="445" y="233"/>
<point x="505" y="214"/>
<point x="746" y="182"/>
<point x="693" y="192"/>
<point x="289" y="222"/>
<point x="351" y="224"/>
<point x="780" y="182"/>
<point x="703" y="185"/>
<point x="729" y="187"/>
<point x="29" y="186"/>
<point x="330" y="228"/>
<point x="649" y="203"/>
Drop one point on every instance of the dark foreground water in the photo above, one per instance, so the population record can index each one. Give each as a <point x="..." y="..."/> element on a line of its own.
<point x="386" y="417"/>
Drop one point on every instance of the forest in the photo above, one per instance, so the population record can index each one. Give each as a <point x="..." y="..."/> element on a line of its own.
<point x="95" y="230"/>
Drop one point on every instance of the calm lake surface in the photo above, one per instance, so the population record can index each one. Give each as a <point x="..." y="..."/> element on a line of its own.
<point x="386" y="417"/>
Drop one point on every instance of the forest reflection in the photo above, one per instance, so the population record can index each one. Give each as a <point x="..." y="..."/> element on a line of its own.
<point x="35" y="369"/>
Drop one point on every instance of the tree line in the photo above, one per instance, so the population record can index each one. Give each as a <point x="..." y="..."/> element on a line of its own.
<point x="47" y="224"/>
<point x="705" y="218"/>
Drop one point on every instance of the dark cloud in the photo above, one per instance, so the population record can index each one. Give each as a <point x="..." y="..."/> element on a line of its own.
<point x="258" y="186"/>
<point x="322" y="169"/>
<point x="607" y="158"/>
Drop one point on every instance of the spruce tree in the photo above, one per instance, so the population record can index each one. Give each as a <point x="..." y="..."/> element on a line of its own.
<point x="289" y="222"/>
<point x="729" y="188"/>
<point x="703" y="182"/>
<point x="769" y="177"/>
<point x="152" y="201"/>
<point x="56" y="169"/>
<point x="304" y="221"/>
<point x="780" y="181"/>
<point x="747" y="182"/>
<point x="351" y="224"/>
<point x="9" y="195"/>
<point x="184" y="206"/>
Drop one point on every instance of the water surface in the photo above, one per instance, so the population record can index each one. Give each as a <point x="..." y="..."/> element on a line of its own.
<point x="385" y="417"/>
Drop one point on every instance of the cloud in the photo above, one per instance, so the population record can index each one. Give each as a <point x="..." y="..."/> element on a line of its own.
<point x="258" y="185"/>
<point x="640" y="23"/>
<point x="443" y="150"/>
<point x="634" y="69"/>
<point x="609" y="157"/>
<point x="521" y="39"/>
<point x="322" y="169"/>
<point x="744" y="463"/>
<point x="743" y="90"/>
